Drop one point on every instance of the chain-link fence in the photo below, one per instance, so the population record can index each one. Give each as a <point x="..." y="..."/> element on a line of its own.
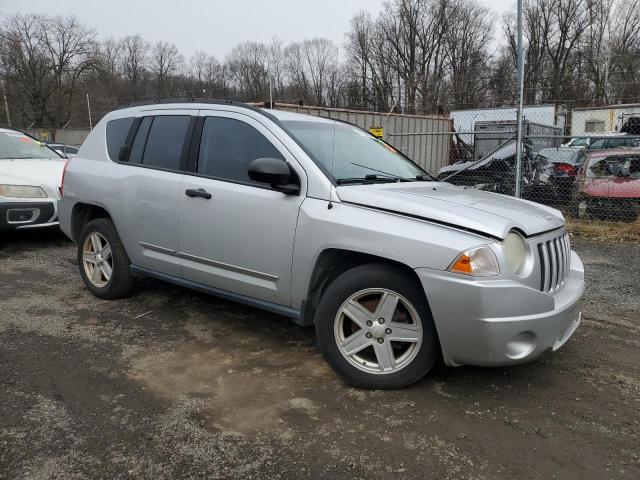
<point x="583" y="161"/>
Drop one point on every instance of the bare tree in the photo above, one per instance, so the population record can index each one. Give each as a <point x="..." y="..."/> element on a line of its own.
<point x="597" y="46"/>
<point x="25" y="63"/>
<point x="165" y="62"/>
<point x="626" y="51"/>
<point x="312" y="66"/>
<point x="248" y="67"/>
<point x="46" y="57"/>
<point x="567" y="20"/>
<point x="135" y="61"/>
<point x="467" y="35"/>
<point x="71" y="51"/>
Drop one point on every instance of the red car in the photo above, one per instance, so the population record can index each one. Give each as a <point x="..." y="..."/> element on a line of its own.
<point x="608" y="185"/>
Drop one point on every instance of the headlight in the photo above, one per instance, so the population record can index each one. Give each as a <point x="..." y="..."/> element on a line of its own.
<point x="479" y="261"/>
<point x="21" y="191"/>
<point x="515" y="248"/>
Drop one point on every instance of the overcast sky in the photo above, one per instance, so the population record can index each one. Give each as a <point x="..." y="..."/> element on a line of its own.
<point x="214" y="26"/>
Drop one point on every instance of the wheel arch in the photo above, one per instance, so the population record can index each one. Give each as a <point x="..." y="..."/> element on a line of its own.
<point x="331" y="263"/>
<point x="82" y="213"/>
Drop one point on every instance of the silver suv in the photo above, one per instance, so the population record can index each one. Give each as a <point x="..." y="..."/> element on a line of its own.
<point x="321" y="222"/>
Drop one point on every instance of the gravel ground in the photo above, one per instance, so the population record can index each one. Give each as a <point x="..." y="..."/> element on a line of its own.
<point x="171" y="383"/>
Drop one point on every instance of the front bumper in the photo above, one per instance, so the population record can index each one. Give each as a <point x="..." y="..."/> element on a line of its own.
<point x="496" y="322"/>
<point x="22" y="215"/>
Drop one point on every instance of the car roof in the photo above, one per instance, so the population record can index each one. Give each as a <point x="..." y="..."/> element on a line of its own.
<point x="614" y="151"/>
<point x="196" y="104"/>
<point x="286" y="116"/>
<point x="9" y="130"/>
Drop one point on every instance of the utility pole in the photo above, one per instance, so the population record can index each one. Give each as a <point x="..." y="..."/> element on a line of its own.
<point x="6" y="103"/>
<point x="89" y="110"/>
<point x="520" y="54"/>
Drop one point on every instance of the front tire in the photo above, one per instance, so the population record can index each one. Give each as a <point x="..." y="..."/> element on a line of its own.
<point x="375" y="329"/>
<point x="103" y="261"/>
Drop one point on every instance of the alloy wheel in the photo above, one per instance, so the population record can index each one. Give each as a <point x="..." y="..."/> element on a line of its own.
<point x="378" y="331"/>
<point x="97" y="259"/>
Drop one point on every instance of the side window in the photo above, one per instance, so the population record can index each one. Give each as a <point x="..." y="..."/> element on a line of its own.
<point x="165" y="141"/>
<point x="615" y="142"/>
<point x="228" y="146"/>
<point x="117" y="131"/>
<point x="137" y="149"/>
<point x="598" y="143"/>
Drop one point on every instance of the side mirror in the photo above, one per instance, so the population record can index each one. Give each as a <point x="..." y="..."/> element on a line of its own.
<point x="276" y="173"/>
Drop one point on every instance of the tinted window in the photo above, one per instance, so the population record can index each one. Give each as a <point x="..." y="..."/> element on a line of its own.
<point x="598" y="143"/>
<point x="228" y="147"/>
<point x="137" y="149"/>
<point x="617" y="142"/>
<point x="117" y="131"/>
<point x="165" y="141"/>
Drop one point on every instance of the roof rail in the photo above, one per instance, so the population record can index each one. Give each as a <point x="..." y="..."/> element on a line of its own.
<point x="211" y="101"/>
<point x="162" y="101"/>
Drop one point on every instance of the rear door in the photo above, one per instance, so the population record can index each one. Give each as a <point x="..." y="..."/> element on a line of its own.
<point x="156" y="161"/>
<point x="239" y="236"/>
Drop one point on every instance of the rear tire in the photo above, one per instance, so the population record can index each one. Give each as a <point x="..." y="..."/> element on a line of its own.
<point x="387" y="339"/>
<point x="103" y="261"/>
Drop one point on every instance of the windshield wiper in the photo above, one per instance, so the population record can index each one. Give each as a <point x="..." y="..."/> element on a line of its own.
<point x="368" y="179"/>
<point x="388" y="175"/>
<point x="424" y="178"/>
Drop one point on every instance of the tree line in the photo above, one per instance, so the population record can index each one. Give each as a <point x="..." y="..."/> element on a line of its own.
<point x="414" y="56"/>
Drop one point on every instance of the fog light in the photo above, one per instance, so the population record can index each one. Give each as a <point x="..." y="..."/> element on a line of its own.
<point x="521" y="345"/>
<point x="22" y="215"/>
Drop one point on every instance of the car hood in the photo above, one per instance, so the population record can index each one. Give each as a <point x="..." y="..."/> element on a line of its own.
<point x="45" y="173"/>
<point x="483" y="212"/>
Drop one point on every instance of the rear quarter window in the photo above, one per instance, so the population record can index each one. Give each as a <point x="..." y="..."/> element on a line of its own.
<point x="117" y="131"/>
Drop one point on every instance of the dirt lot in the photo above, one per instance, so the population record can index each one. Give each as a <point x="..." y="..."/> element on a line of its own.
<point x="171" y="383"/>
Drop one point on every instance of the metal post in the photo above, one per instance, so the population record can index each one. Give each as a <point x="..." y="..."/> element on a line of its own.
<point x="89" y="110"/>
<point x="6" y="103"/>
<point x="520" y="56"/>
<point x="6" y="109"/>
<point x="271" y="92"/>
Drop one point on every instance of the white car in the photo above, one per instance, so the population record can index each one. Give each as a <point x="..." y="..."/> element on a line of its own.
<point x="586" y="141"/>
<point x="30" y="179"/>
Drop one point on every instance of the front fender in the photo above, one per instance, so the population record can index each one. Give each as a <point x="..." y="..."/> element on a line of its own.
<point x="409" y="241"/>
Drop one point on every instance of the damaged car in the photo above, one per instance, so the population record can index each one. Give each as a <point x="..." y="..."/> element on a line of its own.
<point x="609" y="186"/>
<point x="496" y="172"/>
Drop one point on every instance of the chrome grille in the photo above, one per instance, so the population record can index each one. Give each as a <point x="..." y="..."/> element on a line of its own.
<point x="555" y="261"/>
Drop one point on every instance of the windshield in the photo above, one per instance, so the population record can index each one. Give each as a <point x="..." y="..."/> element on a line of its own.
<point x="19" y="145"/>
<point x="579" y="142"/>
<point x="351" y="153"/>
<point x="615" y="166"/>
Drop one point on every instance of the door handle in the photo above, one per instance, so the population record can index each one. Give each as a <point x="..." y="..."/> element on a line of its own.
<point x="198" y="192"/>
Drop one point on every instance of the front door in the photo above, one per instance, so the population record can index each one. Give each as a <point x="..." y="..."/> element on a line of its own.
<point x="235" y="234"/>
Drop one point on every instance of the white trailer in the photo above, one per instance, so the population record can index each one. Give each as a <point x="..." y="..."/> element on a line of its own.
<point x="464" y="121"/>
<point x="605" y="119"/>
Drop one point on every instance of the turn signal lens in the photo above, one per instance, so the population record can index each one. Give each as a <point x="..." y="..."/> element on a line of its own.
<point x="463" y="265"/>
<point x="479" y="261"/>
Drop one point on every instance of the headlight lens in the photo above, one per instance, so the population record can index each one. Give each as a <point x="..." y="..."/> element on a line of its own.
<point x="479" y="261"/>
<point x="21" y="191"/>
<point x="515" y="248"/>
